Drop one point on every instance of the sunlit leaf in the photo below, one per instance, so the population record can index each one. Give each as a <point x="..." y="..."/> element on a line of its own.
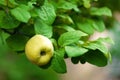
<point x="70" y="37"/>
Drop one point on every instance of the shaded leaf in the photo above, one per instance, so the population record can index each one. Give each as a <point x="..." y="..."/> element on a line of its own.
<point x="27" y="30"/>
<point x="17" y="42"/>
<point x="75" y="60"/>
<point x="96" y="57"/>
<point x="7" y="21"/>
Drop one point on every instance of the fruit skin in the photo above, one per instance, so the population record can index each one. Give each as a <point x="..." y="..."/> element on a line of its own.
<point x="39" y="50"/>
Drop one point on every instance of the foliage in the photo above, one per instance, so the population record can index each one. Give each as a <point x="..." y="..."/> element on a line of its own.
<point x="67" y="23"/>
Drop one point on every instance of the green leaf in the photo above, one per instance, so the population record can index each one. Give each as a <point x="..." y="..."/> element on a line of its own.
<point x="64" y="5"/>
<point x="86" y="27"/>
<point x="58" y="63"/>
<point x="107" y="39"/>
<point x="97" y="45"/>
<point x="21" y="13"/>
<point x="35" y="12"/>
<point x="70" y="37"/>
<point x="101" y="11"/>
<point x="7" y="21"/>
<point x="47" y="13"/>
<point x="98" y="25"/>
<point x="43" y="28"/>
<point x="96" y="57"/>
<point x="86" y="3"/>
<point x="73" y="51"/>
<point x="17" y="42"/>
<point x="61" y="52"/>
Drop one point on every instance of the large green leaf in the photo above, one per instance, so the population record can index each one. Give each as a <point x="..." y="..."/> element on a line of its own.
<point x="58" y="64"/>
<point x="17" y="42"/>
<point x="96" y="57"/>
<point x="47" y="13"/>
<point x="97" y="45"/>
<point x="70" y="37"/>
<point x="21" y="13"/>
<point x="7" y="21"/>
<point x="73" y="51"/>
<point x="101" y="11"/>
<point x="43" y="28"/>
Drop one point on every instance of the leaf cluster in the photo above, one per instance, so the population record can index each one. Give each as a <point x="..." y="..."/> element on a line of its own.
<point x="67" y="23"/>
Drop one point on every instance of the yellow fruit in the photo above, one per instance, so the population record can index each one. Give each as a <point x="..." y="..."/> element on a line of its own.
<point x="39" y="50"/>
